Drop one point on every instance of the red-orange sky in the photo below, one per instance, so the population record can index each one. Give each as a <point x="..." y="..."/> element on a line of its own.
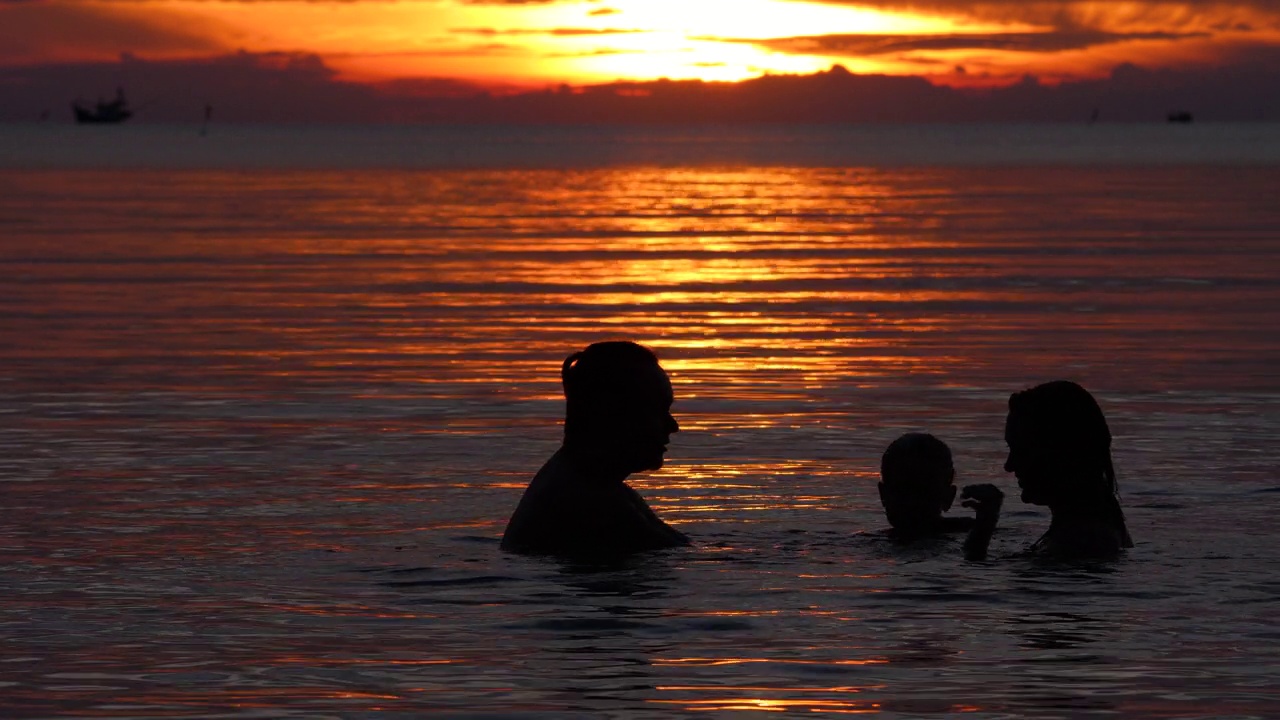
<point x="534" y="43"/>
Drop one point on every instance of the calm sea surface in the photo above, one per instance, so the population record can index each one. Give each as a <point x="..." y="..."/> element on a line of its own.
<point x="266" y="405"/>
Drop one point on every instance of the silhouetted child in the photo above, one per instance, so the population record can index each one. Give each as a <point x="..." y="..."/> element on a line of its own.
<point x="1060" y="451"/>
<point x="917" y="485"/>
<point x="617" y="422"/>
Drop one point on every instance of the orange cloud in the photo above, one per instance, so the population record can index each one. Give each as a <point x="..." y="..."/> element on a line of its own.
<point x="1124" y="16"/>
<point x="864" y="45"/>
<point x="43" y="32"/>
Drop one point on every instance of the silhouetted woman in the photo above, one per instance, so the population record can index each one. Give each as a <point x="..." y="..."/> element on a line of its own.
<point x="617" y="422"/>
<point x="1060" y="451"/>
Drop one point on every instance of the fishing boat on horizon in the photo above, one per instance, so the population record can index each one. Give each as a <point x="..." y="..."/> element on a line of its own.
<point x="104" y="112"/>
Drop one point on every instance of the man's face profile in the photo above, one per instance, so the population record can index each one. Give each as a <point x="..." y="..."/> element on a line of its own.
<point x="632" y="424"/>
<point x="649" y="423"/>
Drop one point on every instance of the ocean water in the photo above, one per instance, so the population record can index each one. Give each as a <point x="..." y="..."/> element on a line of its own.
<point x="266" y="405"/>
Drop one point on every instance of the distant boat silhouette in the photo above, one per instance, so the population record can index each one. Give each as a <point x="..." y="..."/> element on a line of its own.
<point x="1181" y="116"/>
<point x="115" y="111"/>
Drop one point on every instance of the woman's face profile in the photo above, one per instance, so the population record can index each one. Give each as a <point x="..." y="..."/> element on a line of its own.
<point x="1029" y="461"/>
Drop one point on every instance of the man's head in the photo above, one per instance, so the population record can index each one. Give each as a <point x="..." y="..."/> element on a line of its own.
<point x="917" y="481"/>
<point x="618" y="406"/>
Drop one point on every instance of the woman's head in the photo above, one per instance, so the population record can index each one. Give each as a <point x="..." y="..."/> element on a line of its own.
<point x="618" y="405"/>
<point x="1059" y="445"/>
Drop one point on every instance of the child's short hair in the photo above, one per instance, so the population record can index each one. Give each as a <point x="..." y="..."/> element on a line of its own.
<point x="913" y="459"/>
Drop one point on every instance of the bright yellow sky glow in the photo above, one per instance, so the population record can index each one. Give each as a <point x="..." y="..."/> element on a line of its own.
<point x="534" y="43"/>
<point x="676" y="43"/>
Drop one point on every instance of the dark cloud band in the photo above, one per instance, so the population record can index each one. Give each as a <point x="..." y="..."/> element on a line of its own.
<point x="866" y="45"/>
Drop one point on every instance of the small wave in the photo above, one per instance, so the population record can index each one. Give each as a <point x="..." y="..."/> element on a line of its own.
<point x="452" y="582"/>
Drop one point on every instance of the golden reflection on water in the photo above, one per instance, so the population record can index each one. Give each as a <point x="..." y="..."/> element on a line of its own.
<point x="774" y="281"/>
<point x="741" y="278"/>
<point x="763" y="705"/>
<point x="813" y="705"/>
<point x="296" y="365"/>
<point x="712" y="662"/>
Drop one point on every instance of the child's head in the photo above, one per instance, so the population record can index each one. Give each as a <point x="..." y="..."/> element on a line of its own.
<point x="917" y="481"/>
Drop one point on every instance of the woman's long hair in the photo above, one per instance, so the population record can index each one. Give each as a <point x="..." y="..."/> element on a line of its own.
<point x="1068" y="423"/>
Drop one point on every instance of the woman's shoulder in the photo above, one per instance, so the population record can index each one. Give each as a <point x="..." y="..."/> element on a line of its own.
<point x="1082" y="540"/>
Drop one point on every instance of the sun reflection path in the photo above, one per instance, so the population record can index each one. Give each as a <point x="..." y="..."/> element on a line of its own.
<point x="763" y="278"/>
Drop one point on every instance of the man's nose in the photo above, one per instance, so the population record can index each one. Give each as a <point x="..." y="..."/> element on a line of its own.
<point x="1008" y="463"/>
<point x="672" y="425"/>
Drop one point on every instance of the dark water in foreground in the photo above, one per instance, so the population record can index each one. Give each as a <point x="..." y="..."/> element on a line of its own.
<point x="260" y="432"/>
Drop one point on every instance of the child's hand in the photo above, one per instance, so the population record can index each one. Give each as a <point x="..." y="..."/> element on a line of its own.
<point x="985" y="500"/>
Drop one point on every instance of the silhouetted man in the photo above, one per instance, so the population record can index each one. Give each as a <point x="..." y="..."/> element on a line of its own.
<point x="617" y="422"/>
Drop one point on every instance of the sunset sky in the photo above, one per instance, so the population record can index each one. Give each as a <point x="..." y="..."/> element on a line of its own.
<point x="434" y="45"/>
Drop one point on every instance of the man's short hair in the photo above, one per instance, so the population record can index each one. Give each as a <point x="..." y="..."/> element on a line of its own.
<point x="602" y="376"/>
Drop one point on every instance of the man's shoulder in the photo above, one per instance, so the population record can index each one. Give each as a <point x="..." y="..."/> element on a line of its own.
<point x="560" y="512"/>
<point x="536" y="514"/>
<point x="560" y="515"/>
